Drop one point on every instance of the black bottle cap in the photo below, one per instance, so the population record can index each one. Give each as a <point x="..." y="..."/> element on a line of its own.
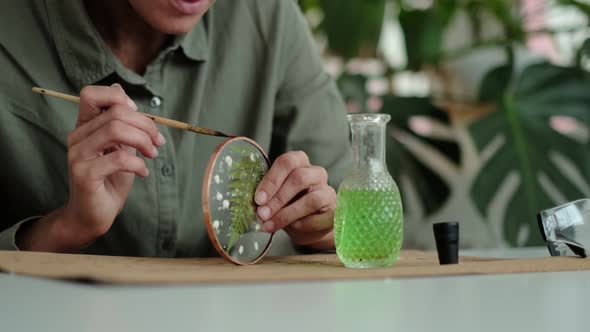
<point x="446" y="235"/>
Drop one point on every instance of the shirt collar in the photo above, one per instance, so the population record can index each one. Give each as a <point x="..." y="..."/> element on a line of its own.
<point x="85" y="57"/>
<point x="195" y="44"/>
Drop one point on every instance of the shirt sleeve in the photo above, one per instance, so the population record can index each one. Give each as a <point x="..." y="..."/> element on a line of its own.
<point x="8" y="236"/>
<point x="310" y="113"/>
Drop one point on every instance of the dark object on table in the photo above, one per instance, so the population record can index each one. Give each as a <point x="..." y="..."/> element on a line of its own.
<point x="446" y="235"/>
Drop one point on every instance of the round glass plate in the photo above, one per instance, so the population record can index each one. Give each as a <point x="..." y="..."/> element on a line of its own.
<point x="233" y="173"/>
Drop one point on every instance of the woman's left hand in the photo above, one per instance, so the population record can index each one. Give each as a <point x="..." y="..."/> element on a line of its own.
<point x="294" y="195"/>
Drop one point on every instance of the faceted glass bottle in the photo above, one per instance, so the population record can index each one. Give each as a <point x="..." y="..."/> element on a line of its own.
<point x="368" y="222"/>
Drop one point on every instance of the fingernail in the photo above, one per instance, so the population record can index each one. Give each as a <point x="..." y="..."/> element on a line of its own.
<point x="147" y="172"/>
<point x="155" y="152"/>
<point x="264" y="212"/>
<point x="268" y="226"/>
<point x="131" y="103"/>
<point x="297" y="225"/>
<point x="161" y="139"/>
<point x="116" y="85"/>
<point x="261" y="197"/>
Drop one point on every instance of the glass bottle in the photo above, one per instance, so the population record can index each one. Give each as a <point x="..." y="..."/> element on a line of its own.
<point x="567" y="227"/>
<point x="369" y="217"/>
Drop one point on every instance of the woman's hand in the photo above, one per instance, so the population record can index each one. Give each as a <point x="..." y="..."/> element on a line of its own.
<point x="102" y="165"/>
<point x="294" y="195"/>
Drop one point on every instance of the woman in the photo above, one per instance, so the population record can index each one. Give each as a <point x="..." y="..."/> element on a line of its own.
<point x="104" y="179"/>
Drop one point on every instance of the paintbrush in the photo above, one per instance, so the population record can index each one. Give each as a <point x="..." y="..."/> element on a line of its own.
<point x="157" y="119"/>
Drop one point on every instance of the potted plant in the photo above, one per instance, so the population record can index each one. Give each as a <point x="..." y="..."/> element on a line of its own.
<point x="489" y="152"/>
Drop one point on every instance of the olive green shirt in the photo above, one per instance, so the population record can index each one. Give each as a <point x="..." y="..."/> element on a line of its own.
<point x="249" y="67"/>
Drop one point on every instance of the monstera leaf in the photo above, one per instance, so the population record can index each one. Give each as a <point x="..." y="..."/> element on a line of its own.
<point x="402" y="144"/>
<point x="495" y="83"/>
<point x="534" y="149"/>
<point x="352" y="26"/>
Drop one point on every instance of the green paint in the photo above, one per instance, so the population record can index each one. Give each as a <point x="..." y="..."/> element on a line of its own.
<point x="368" y="227"/>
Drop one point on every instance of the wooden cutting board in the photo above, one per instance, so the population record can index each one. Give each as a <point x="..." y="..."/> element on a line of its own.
<point x="138" y="270"/>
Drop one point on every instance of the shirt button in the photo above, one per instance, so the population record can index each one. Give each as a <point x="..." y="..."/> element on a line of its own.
<point x="155" y="102"/>
<point x="168" y="170"/>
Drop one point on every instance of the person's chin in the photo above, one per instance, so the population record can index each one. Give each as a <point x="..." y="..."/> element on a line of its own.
<point x="177" y="26"/>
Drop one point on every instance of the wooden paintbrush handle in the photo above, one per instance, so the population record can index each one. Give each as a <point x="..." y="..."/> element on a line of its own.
<point x="157" y="119"/>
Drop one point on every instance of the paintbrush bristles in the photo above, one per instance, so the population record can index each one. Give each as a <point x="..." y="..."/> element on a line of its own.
<point x="157" y="119"/>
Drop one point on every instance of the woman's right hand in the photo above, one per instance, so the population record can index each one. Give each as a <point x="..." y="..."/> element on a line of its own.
<point x="102" y="165"/>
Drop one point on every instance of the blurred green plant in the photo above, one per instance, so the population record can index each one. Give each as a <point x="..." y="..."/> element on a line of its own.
<point x="540" y="155"/>
<point x="351" y="27"/>
<point x="363" y="36"/>
<point x="518" y="143"/>
<point x="424" y="30"/>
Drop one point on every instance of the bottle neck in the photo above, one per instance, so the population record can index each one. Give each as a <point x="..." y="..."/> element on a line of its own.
<point x="368" y="146"/>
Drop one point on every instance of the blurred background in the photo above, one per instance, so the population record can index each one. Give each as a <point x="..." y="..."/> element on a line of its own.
<point x="490" y="105"/>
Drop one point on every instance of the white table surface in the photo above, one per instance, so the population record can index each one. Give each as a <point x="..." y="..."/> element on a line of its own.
<point x="517" y="302"/>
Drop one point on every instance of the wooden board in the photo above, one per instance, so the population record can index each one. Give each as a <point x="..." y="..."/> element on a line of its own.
<point x="136" y="270"/>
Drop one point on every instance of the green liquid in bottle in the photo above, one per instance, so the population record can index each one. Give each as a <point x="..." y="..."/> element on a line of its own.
<point x="368" y="227"/>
